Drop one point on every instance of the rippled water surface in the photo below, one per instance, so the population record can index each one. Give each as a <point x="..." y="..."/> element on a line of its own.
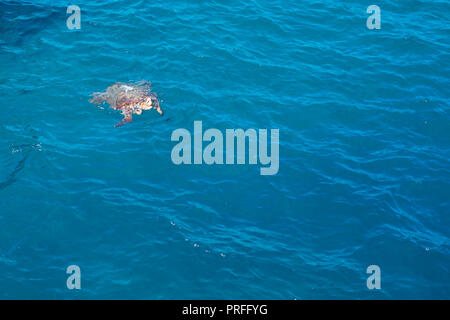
<point x="364" y="150"/>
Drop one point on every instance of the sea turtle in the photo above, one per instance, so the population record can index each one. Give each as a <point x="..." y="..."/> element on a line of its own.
<point x="129" y="98"/>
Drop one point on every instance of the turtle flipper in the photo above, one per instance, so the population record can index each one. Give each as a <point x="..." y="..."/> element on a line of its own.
<point x="126" y="119"/>
<point x="155" y="103"/>
<point x="159" y="110"/>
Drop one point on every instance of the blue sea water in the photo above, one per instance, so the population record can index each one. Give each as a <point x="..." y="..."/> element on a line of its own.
<point x="364" y="175"/>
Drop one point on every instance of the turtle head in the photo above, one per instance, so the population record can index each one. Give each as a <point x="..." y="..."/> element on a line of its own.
<point x="146" y="104"/>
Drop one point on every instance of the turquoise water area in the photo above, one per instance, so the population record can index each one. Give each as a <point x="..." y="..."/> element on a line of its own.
<point x="364" y="175"/>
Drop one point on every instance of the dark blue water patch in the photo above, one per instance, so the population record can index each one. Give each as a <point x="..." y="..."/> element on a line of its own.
<point x="20" y="21"/>
<point x="17" y="145"/>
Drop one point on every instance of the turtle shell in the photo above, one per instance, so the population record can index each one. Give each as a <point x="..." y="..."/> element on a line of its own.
<point x="121" y="93"/>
